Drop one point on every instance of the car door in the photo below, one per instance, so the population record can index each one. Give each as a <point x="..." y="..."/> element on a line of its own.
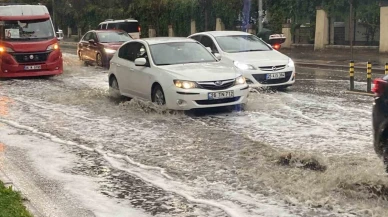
<point x="126" y="68"/>
<point x="144" y="76"/>
<point x="120" y="66"/>
<point x="93" y="47"/>
<point x="83" y="46"/>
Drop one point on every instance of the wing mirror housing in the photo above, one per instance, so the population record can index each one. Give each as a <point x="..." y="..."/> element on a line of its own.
<point x="140" y="62"/>
<point x="92" y="41"/>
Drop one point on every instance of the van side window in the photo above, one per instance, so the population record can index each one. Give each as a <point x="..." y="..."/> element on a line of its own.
<point x="104" y="26"/>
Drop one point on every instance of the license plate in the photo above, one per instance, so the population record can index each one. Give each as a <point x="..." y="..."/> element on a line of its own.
<point x="32" y="67"/>
<point x="221" y="95"/>
<point x="276" y="75"/>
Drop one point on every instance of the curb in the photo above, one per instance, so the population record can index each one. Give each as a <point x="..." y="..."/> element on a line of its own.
<point x="8" y="183"/>
<point x="355" y="92"/>
<point x="340" y="67"/>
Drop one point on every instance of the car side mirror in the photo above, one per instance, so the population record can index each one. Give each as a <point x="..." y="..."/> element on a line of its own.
<point x="209" y="49"/>
<point x="218" y="56"/>
<point x="140" y="62"/>
<point x="92" y="41"/>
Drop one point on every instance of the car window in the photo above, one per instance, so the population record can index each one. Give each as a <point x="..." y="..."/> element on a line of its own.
<point x="180" y="53"/>
<point x="110" y="37"/>
<point x="124" y="52"/>
<point x="87" y="36"/>
<point x="132" y="51"/>
<point x="241" y="43"/>
<point x="208" y="42"/>
<point x="196" y="37"/>
<point x="94" y="37"/>
<point x="103" y="26"/>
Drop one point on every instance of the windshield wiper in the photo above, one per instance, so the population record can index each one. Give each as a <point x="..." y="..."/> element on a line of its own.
<point x="251" y="50"/>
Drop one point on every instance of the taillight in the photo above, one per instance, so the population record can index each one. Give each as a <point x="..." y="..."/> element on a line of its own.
<point x="276" y="46"/>
<point x="379" y="86"/>
<point x="139" y="28"/>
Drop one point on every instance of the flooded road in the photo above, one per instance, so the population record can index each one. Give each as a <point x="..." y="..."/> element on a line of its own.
<point x="304" y="152"/>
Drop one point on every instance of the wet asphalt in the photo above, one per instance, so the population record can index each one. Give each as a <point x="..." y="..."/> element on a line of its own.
<point x="91" y="155"/>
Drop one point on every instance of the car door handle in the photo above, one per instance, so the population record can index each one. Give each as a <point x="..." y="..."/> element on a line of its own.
<point x="131" y="69"/>
<point x="118" y="65"/>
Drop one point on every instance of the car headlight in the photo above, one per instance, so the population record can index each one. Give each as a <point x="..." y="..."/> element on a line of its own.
<point x="240" y="80"/>
<point x="185" y="84"/>
<point x="53" y="47"/>
<point x="6" y="49"/>
<point x="108" y="50"/>
<point x="243" y="66"/>
<point x="291" y="63"/>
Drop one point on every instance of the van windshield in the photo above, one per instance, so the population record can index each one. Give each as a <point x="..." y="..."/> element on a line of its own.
<point x="129" y="27"/>
<point x="21" y="30"/>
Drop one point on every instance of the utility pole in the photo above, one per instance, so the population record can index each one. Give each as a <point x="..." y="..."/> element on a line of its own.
<point x="260" y="16"/>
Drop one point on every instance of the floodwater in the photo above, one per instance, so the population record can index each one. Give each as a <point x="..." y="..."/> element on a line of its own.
<point x="304" y="152"/>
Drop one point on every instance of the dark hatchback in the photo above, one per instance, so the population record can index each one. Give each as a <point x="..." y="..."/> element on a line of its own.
<point x="99" y="46"/>
<point x="380" y="119"/>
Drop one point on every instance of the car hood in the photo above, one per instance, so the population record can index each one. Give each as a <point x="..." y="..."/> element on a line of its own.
<point x="114" y="46"/>
<point x="201" y="71"/>
<point x="259" y="58"/>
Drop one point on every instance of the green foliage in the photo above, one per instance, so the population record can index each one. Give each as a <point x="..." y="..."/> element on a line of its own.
<point x="11" y="203"/>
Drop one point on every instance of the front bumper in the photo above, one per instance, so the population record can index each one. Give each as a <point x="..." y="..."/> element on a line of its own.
<point x="15" y="71"/>
<point x="187" y="99"/>
<point x="257" y="79"/>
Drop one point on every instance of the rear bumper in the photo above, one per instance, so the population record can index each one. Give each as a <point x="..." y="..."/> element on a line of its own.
<point x="15" y="71"/>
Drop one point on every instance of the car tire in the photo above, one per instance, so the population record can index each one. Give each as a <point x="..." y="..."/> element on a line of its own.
<point x="114" y="90"/>
<point x="99" y="60"/>
<point x="158" y="96"/>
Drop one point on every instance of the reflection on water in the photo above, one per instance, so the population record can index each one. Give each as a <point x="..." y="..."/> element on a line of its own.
<point x="4" y="105"/>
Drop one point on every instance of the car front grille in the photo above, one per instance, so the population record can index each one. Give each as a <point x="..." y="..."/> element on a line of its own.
<point x="217" y="101"/>
<point x="262" y="78"/>
<point x="272" y="68"/>
<point x="216" y="85"/>
<point x="31" y="57"/>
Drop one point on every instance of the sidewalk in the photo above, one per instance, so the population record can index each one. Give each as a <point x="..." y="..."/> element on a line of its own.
<point x="337" y="58"/>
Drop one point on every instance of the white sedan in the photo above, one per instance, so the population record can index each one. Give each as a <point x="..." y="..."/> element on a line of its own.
<point x="262" y="65"/>
<point x="178" y="73"/>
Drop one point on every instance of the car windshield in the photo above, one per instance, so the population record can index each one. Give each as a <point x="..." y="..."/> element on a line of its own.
<point x="241" y="43"/>
<point x="19" y="30"/>
<point x="110" y="37"/>
<point x="180" y="53"/>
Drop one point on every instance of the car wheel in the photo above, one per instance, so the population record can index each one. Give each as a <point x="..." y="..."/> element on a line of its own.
<point x="158" y="96"/>
<point x="114" y="89"/>
<point x="99" y="60"/>
<point x="80" y="56"/>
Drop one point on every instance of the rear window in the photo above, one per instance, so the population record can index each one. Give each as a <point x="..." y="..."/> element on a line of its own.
<point x="129" y="27"/>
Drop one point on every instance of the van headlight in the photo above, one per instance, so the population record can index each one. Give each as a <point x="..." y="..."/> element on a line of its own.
<point x="291" y="63"/>
<point x="240" y="80"/>
<point x="185" y="84"/>
<point x="53" y="47"/>
<point x="243" y="66"/>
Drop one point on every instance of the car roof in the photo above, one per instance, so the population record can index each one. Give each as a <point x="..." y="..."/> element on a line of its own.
<point x="23" y="10"/>
<point x="224" y="33"/>
<point x="161" y="40"/>
<point x="106" y="30"/>
<point x="119" y="21"/>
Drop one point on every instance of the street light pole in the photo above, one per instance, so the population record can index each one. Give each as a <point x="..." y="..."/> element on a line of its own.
<point x="260" y="16"/>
